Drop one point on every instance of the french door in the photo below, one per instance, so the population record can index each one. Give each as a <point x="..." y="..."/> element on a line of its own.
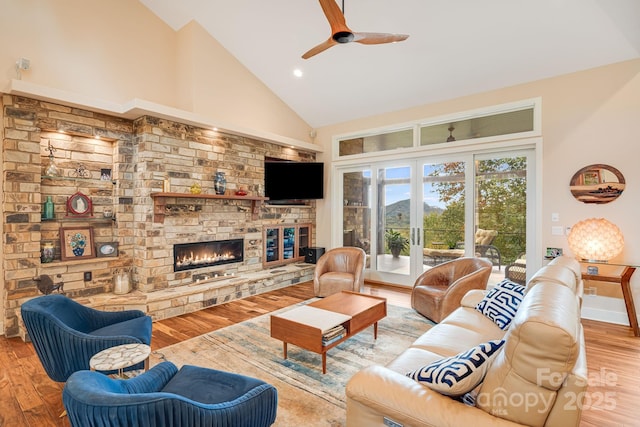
<point x="409" y="215"/>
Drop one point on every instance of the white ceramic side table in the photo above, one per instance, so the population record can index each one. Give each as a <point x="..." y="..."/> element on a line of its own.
<point x="120" y="357"/>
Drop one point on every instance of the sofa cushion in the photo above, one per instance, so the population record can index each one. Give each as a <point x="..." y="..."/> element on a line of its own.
<point x="412" y="359"/>
<point x="502" y="302"/>
<point x="472" y="320"/>
<point x="570" y="263"/>
<point x="459" y="374"/>
<point x="554" y="274"/>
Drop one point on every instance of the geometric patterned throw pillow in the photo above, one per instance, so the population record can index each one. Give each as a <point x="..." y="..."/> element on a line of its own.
<point x="457" y="375"/>
<point x="502" y="302"/>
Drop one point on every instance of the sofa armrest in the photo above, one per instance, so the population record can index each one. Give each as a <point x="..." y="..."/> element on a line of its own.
<point x="376" y="393"/>
<point x="473" y="298"/>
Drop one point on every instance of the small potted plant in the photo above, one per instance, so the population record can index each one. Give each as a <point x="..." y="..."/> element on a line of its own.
<point x="396" y="242"/>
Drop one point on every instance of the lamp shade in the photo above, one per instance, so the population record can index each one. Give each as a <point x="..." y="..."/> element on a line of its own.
<point x="596" y="239"/>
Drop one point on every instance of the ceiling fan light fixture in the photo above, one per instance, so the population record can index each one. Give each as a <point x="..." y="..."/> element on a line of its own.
<point x="451" y="138"/>
<point x="343" y="37"/>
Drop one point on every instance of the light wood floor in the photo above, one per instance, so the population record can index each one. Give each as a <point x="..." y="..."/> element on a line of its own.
<point x="29" y="398"/>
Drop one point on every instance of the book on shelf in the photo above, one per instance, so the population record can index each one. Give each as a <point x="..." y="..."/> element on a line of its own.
<point x="336" y="330"/>
<point x="334" y="334"/>
<point x="326" y="342"/>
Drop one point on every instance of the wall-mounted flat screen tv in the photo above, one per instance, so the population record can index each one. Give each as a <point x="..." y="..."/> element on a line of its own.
<point x="293" y="181"/>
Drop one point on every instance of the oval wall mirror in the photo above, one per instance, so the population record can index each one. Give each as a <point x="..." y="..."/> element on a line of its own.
<point x="597" y="184"/>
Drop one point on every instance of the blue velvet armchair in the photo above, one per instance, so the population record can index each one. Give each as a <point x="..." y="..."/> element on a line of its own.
<point x="165" y="396"/>
<point x="66" y="334"/>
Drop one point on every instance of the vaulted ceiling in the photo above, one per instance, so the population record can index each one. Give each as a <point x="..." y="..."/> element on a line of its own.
<point x="455" y="48"/>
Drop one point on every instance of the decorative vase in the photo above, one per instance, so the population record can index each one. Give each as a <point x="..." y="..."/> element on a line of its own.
<point x="48" y="211"/>
<point x="47" y="252"/>
<point x="121" y="282"/>
<point x="52" y="169"/>
<point x="195" y="188"/>
<point x="220" y="183"/>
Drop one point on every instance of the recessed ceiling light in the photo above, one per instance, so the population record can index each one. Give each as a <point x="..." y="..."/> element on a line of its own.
<point x="297" y="72"/>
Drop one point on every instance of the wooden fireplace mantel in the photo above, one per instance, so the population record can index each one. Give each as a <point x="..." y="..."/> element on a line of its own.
<point x="159" y="202"/>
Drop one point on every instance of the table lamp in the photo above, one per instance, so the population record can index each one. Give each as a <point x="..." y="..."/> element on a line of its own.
<point x="595" y="240"/>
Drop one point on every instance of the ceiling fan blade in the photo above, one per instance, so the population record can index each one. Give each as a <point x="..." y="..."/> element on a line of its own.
<point x="378" y="38"/>
<point x="319" y="48"/>
<point x="334" y="16"/>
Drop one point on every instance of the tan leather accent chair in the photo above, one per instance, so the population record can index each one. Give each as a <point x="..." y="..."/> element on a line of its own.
<point x="438" y="291"/>
<point x="339" y="269"/>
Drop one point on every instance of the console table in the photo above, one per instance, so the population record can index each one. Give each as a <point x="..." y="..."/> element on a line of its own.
<point x="618" y="274"/>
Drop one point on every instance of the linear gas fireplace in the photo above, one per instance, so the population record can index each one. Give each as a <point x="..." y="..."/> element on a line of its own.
<point x="187" y="256"/>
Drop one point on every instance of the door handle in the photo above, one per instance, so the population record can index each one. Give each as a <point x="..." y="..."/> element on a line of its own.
<point x="413" y="235"/>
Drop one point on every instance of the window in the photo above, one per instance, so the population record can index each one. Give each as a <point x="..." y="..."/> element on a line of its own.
<point x="479" y="127"/>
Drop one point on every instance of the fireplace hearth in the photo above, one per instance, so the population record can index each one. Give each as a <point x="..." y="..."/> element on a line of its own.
<point x="189" y="256"/>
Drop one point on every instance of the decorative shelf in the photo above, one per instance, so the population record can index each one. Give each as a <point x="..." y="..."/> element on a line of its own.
<point x="80" y="219"/>
<point x="159" y="202"/>
<point x="59" y="263"/>
<point x="78" y="178"/>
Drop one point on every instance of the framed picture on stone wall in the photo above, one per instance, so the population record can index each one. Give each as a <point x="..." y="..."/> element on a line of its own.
<point x="76" y="243"/>
<point x="105" y="175"/>
<point x="109" y="249"/>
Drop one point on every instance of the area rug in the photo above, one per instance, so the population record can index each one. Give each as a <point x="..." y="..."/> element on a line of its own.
<point x="305" y="396"/>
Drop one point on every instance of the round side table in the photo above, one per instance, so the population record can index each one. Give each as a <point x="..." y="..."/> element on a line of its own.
<point x="120" y="357"/>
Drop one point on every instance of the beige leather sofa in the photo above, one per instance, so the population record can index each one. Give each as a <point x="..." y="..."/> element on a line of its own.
<point x="537" y="378"/>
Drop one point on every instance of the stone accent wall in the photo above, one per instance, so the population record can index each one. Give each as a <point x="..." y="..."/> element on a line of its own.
<point x="187" y="155"/>
<point x="141" y="154"/>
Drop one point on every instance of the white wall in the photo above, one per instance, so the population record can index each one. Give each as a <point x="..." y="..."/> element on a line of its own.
<point x="118" y="50"/>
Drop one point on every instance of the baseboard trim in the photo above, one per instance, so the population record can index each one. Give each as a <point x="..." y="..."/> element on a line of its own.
<point x="604" y="309"/>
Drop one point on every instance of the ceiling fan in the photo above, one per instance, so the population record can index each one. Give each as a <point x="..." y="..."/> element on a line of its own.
<point x="340" y="33"/>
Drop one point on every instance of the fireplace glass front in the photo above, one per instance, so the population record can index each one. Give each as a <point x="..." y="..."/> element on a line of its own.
<point x="188" y="256"/>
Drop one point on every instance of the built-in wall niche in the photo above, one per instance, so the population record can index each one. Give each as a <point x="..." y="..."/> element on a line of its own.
<point x="78" y="179"/>
<point x="76" y="156"/>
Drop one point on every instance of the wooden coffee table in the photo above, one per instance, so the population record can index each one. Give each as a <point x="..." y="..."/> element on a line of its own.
<point x="306" y="325"/>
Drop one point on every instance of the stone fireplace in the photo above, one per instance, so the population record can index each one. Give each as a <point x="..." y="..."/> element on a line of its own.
<point x="144" y="156"/>
<point x="189" y="256"/>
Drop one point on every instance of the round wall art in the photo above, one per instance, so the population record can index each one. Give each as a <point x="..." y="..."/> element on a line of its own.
<point x="597" y="184"/>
